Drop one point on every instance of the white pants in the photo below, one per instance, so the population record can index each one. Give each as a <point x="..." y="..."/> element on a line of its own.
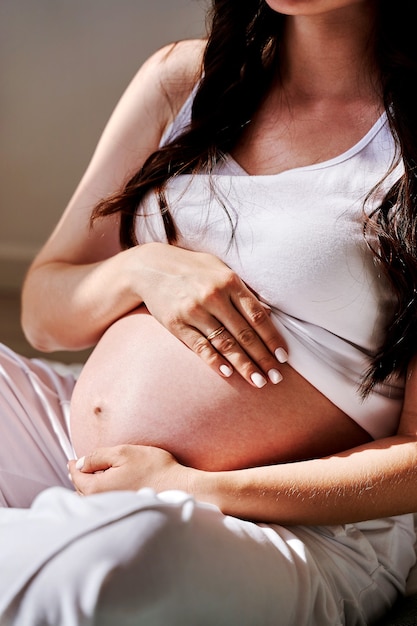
<point x="142" y="558"/>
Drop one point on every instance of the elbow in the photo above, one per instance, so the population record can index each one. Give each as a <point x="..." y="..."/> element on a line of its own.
<point x="36" y="335"/>
<point x="36" y="317"/>
<point x="32" y="318"/>
<point x="44" y="335"/>
<point x="44" y="341"/>
<point x="39" y="331"/>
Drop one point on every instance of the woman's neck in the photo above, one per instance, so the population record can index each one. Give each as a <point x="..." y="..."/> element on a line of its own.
<point x="328" y="56"/>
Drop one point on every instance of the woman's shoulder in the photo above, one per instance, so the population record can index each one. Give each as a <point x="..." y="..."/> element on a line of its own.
<point x="180" y="60"/>
<point x="174" y="70"/>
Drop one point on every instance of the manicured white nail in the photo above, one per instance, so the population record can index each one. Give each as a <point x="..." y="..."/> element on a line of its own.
<point x="274" y="376"/>
<point x="281" y="355"/>
<point x="80" y="463"/>
<point x="258" y="380"/>
<point x="226" y="370"/>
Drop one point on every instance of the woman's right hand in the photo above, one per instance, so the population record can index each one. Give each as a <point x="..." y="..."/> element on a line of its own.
<point x="209" y="308"/>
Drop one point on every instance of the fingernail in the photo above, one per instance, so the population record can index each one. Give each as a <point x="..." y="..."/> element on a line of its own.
<point x="258" y="380"/>
<point x="70" y="477"/>
<point x="274" y="376"/>
<point x="281" y="355"/>
<point x="226" y="370"/>
<point x="80" y="463"/>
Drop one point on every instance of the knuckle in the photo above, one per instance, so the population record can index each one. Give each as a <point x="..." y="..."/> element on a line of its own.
<point x="246" y="337"/>
<point x="214" y="360"/>
<point x="246" y="369"/>
<point x="201" y="347"/>
<point x="213" y="294"/>
<point x="232" y="281"/>
<point x="173" y="322"/>
<point x="258" y="316"/>
<point x="89" y="459"/>
<point x="225" y="343"/>
<point x="193" y="308"/>
<point x="266" y="362"/>
<point x="225" y="281"/>
<point x="122" y="449"/>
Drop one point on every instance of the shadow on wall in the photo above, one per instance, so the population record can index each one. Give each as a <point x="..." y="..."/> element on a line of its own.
<point x="64" y="64"/>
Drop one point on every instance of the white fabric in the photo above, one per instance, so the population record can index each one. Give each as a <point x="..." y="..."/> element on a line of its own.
<point x="139" y="558"/>
<point x="124" y="558"/>
<point x="34" y="419"/>
<point x="119" y="559"/>
<point x="299" y="244"/>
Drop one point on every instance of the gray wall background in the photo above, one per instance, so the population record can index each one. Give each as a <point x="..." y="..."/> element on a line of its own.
<point x="63" y="66"/>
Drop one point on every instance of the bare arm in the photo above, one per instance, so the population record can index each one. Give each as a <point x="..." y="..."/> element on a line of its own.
<point x="375" y="480"/>
<point x="81" y="282"/>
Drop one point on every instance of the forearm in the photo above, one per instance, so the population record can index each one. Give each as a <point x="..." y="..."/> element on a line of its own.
<point x="376" y="480"/>
<point x="68" y="306"/>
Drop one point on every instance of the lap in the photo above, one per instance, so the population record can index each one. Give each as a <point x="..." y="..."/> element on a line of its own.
<point x="122" y="558"/>
<point x="126" y="557"/>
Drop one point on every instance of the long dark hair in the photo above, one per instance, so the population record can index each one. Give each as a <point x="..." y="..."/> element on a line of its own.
<point x="240" y="60"/>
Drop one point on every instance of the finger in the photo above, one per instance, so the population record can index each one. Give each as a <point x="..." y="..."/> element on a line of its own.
<point x="258" y="346"/>
<point x="257" y="371"/>
<point x="257" y="318"/>
<point x="254" y="348"/>
<point x="86" y="484"/>
<point x="88" y="474"/>
<point x="237" y="347"/>
<point x="97" y="461"/>
<point x="232" y="343"/>
<point x="220" y="351"/>
<point x="203" y="348"/>
<point x="254" y="311"/>
<point x="267" y="308"/>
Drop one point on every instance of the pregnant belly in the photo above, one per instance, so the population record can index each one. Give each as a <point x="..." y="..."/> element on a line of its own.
<point x="142" y="385"/>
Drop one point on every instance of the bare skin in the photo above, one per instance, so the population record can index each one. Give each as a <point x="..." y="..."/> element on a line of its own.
<point x="167" y="397"/>
<point x="82" y="282"/>
<point x="206" y="421"/>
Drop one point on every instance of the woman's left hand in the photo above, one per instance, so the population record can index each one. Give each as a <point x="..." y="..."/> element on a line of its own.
<point x="127" y="467"/>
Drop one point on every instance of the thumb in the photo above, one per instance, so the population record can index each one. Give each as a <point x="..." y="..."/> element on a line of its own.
<point x="97" y="461"/>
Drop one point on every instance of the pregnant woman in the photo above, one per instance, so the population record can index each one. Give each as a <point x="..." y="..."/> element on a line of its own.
<point x="241" y="252"/>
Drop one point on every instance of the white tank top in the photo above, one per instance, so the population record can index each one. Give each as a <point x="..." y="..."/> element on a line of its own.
<point x="298" y="243"/>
